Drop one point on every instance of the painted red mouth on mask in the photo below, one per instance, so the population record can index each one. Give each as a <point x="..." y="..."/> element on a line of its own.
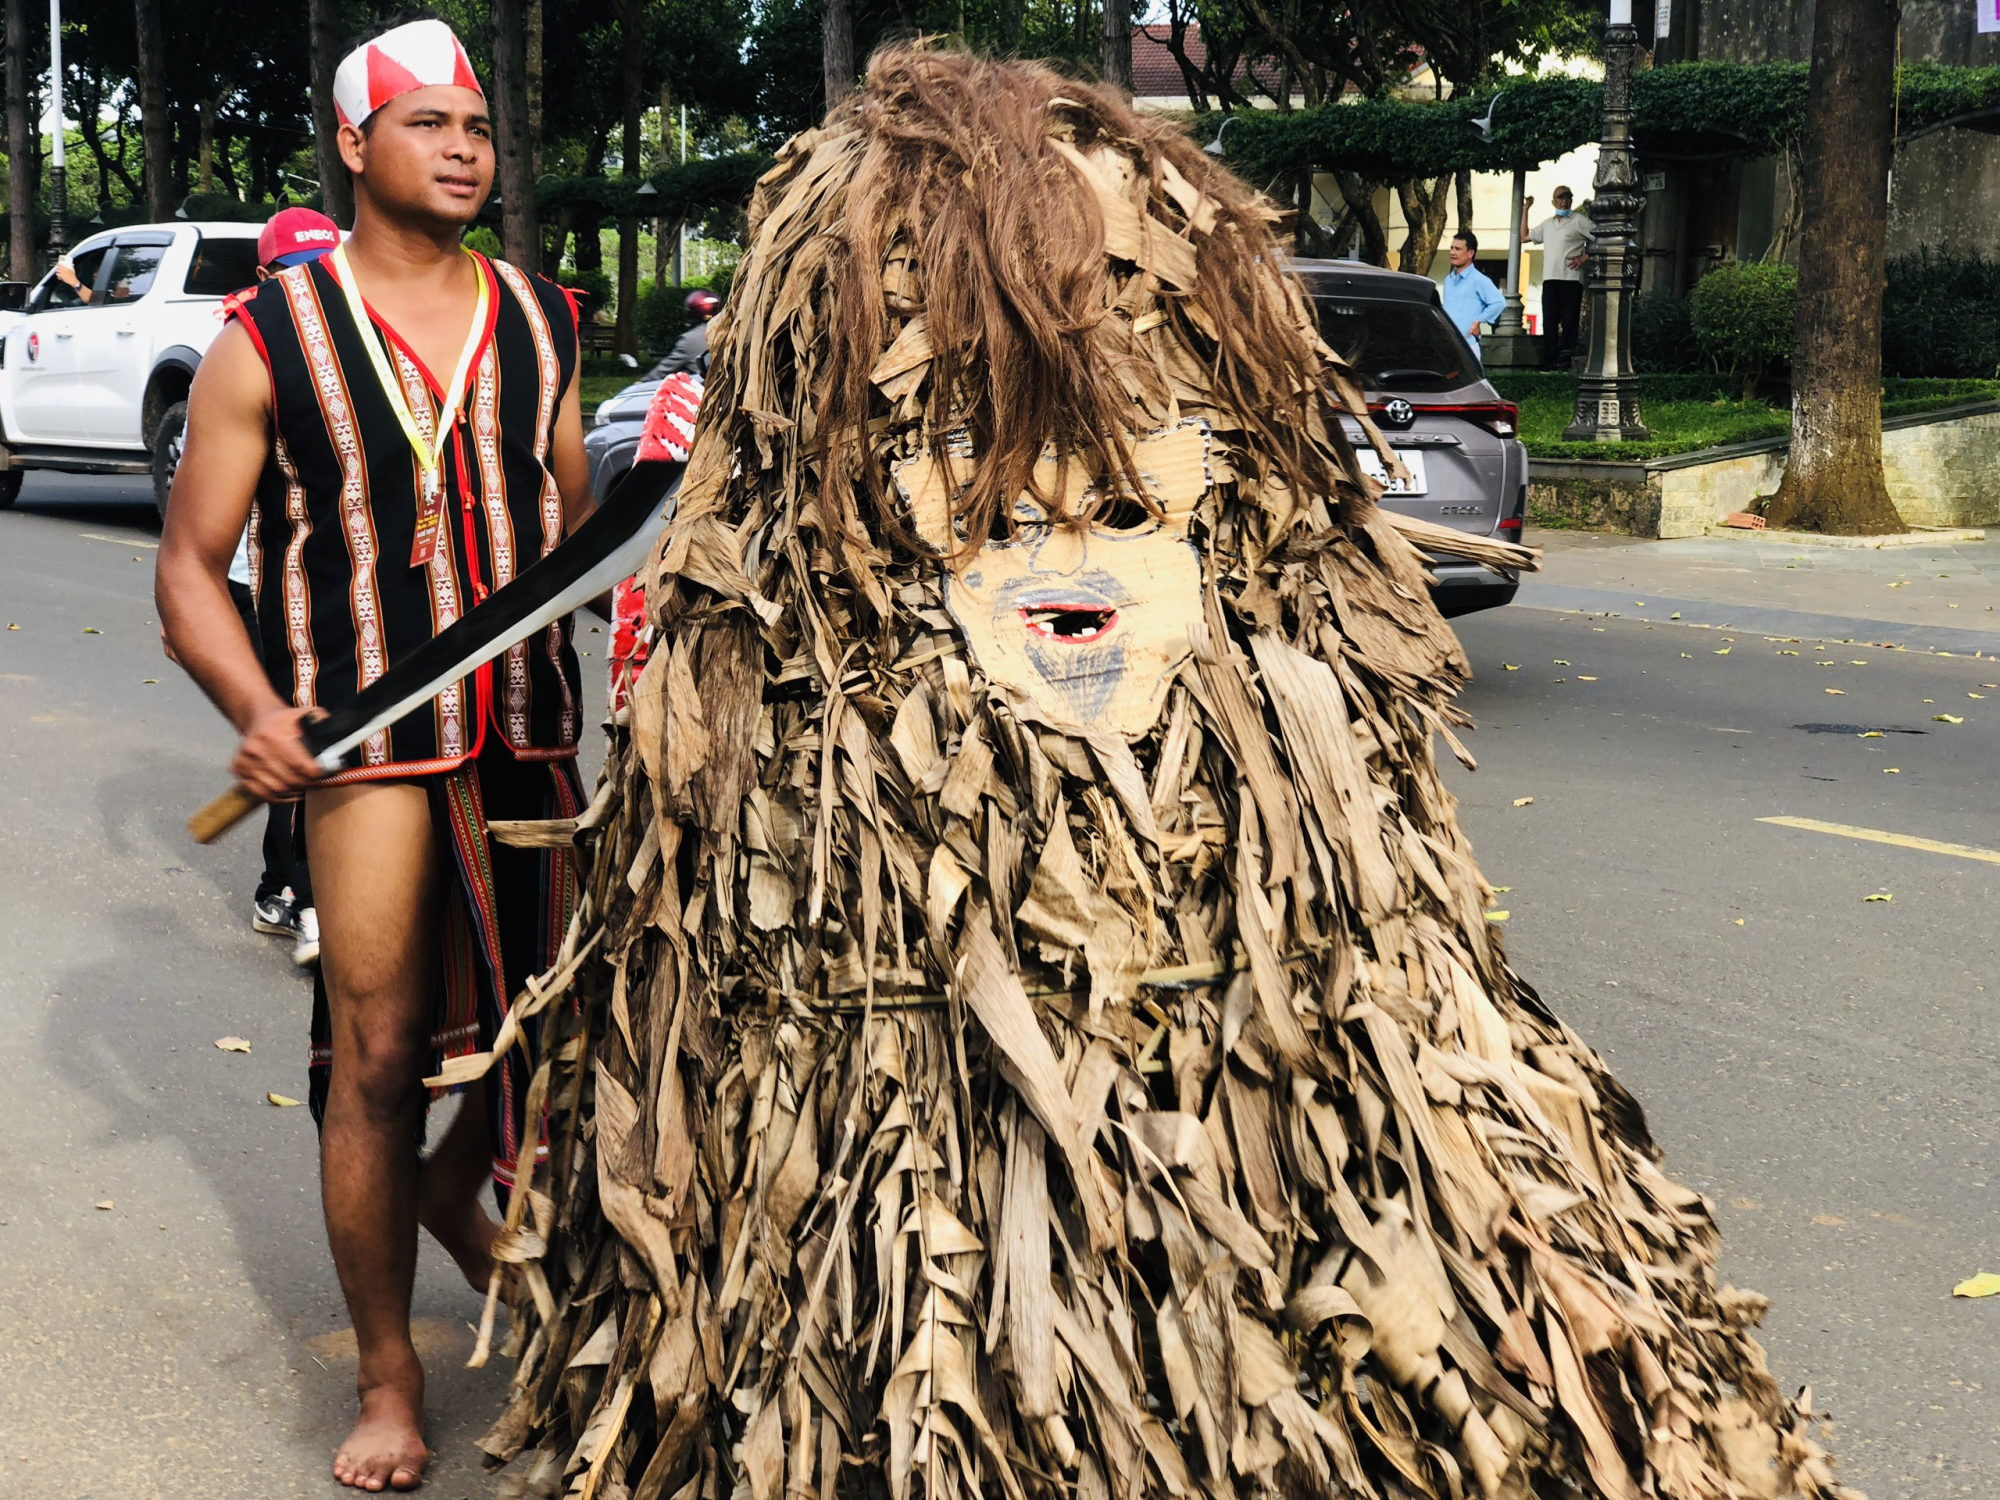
<point x="1069" y="624"/>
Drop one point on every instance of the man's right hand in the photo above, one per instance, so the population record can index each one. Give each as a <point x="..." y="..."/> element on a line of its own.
<point x="272" y="761"/>
<point x="1527" y="203"/>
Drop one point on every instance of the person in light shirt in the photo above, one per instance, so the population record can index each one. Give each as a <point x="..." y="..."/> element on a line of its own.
<point x="1565" y="240"/>
<point x="1470" y="297"/>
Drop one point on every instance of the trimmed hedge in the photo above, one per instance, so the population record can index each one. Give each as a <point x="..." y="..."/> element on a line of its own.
<point x="1710" y="111"/>
<point x="1941" y="316"/>
<point x="688" y="192"/>
<point x="1741" y="314"/>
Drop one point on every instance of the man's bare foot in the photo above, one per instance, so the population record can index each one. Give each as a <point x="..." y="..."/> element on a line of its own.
<point x="386" y="1451"/>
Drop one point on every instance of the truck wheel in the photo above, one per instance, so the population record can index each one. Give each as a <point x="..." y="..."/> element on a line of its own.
<point x="10" y="486"/>
<point x="167" y="445"/>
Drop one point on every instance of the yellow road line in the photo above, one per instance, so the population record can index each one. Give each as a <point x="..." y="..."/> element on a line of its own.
<point x="1900" y="840"/>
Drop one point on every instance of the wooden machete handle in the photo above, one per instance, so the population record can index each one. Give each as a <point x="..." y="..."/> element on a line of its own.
<point x="223" y="814"/>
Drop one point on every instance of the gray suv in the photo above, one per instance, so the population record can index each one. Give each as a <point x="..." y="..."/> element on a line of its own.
<point x="1432" y="402"/>
<point x="612" y="440"/>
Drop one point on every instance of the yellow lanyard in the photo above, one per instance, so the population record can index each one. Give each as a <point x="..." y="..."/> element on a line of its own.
<point x="429" y="455"/>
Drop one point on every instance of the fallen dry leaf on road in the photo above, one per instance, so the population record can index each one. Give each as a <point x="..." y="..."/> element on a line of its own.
<point x="1675" y="615"/>
<point x="1853" y="663"/>
<point x="232" y="1044"/>
<point x="1879" y="896"/>
<point x="92" y="630"/>
<point x="1975" y="695"/>
<point x="1788" y="653"/>
<point x="1739" y="921"/>
<point x="149" y="682"/>
<point x="1560" y="662"/>
<point x="1524" y="801"/>
<point x="1582" y="678"/>
<point x="1946" y="719"/>
<point x="1985" y="1284"/>
<point x="106" y="1206"/>
<point x="1510" y="666"/>
<point x="1723" y="652"/>
<point x="281" y="1101"/>
<point x="1498" y="916"/>
<point x="1900" y="583"/>
<point x="1892" y="770"/>
<point x="1838" y="692"/>
<point x="1871" y="734"/>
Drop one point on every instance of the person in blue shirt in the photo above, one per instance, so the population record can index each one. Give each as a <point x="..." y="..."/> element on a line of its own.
<point x="1469" y="298"/>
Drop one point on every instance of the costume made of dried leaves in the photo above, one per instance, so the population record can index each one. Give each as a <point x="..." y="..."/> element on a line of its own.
<point x="1008" y="1052"/>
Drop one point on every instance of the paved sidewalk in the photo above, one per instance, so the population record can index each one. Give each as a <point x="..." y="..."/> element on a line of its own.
<point x="1943" y="598"/>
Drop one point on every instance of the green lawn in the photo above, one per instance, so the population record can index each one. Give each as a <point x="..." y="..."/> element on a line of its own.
<point x="1686" y="413"/>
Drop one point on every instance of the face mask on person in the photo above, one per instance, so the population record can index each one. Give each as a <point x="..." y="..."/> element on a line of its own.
<point x="1562" y="213"/>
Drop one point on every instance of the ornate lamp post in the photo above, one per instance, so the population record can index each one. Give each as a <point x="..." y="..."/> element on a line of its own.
<point x="1607" y="394"/>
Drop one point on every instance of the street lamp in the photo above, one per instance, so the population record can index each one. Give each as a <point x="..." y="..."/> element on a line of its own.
<point x="1214" y="147"/>
<point x="58" y="175"/>
<point x="1607" y="394"/>
<point x="1509" y="344"/>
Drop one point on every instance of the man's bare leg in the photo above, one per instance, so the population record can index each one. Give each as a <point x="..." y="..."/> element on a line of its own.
<point x="377" y="876"/>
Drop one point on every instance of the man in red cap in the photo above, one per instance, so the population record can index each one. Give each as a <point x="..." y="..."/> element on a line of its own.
<point x="401" y="417"/>
<point x="293" y="237"/>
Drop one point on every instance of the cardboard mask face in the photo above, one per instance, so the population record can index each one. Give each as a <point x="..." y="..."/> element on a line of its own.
<point x="1089" y="625"/>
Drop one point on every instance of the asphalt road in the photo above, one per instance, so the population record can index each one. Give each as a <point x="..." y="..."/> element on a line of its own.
<point x="1816" y="1062"/>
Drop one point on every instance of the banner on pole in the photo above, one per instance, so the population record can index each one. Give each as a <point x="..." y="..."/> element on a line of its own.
<point x="1989" y="14"/>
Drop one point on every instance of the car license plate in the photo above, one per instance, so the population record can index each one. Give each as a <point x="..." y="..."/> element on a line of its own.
<point x="1413" y="460"/>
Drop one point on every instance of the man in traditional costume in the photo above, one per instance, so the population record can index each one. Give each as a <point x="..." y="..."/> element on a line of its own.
<point x="1036" y="1029"/>
<point x="400" y="422"/>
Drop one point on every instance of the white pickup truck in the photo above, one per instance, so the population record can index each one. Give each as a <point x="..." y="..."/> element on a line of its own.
<point x="99" y="385"/>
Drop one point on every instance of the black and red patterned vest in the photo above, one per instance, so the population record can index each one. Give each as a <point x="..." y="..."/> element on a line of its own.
<point x="336" y="512"/>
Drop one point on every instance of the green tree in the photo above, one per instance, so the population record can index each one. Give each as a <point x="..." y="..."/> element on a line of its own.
<point x="1833" y="472"/>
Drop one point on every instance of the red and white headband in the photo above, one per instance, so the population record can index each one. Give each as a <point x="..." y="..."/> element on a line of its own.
<point x="417" y="56"/>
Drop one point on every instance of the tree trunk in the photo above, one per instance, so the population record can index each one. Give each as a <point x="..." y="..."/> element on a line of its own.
<point x="1358" y="194"/>
<point x="156" y="129"/>
<point x="520" y="227"/>
<point x="836" y="44"/>
<point x="1464" y="200"/>
<point x="667" y="158"/>
<point x="1010" y="26"/>
<point x="225" y="157"/>
<point x="204" y="110"/>
<point x="1833" y="475"/>
<point x="20" y="181"/>
<point x="1424" y="210"/>
<point x="534" y="55"/>
<point x="336" y="193"/>
<point x="1117" y="49"/>
<point x="632" y="80"/>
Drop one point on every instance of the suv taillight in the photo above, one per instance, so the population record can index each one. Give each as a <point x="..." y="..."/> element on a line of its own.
<point x="1501" y="418"/>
